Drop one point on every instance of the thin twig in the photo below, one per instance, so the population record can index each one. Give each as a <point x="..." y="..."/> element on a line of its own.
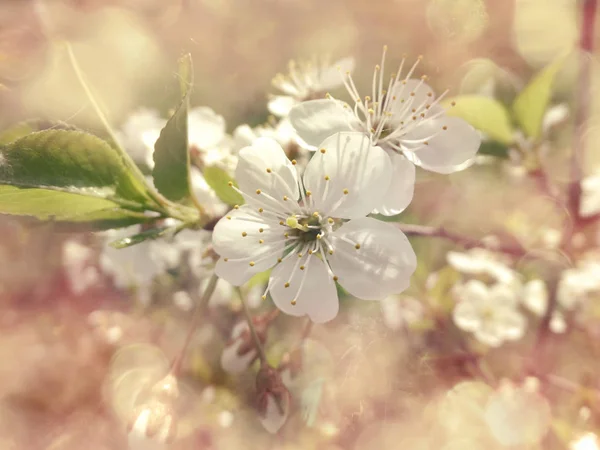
<point x="261" y="352"/>
<point x="208" y="292"/>
<point x="464" y="241"/>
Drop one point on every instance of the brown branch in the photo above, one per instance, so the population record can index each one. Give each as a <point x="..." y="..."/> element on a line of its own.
<point x="464" y="241"/>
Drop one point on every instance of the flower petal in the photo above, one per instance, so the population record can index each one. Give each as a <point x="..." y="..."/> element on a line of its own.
<point x="333" y="76"/>
<point x="383" y="263"/>
<point x="238" y="236"/>
<point x="401" y="190"/>
<point x="234" y="363"/>
<point x="447" y="149"/>
<point x="466" y="316"/>
<point x="264" y="166"/>
<point x="205" y="128"/>
<point x="410" y="94"/>
<point x="347" y="177"/>
<point x="316" y="120"/>
<point x="313" y="288"/>
<point x="280" y="105"/>
<point x="511" y="324"/>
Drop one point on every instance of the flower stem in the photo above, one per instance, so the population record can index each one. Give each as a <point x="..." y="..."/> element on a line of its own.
<point x="467" y="242"/>
<point x="586" y="45"/>
<point x="208" y="292"/>
<point x="261" y="352"/>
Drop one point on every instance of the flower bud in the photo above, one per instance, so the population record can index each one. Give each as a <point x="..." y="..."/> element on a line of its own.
<point x="273" y="399"/>
<point x="241" y="352"/>
<point x="154" y="422"/>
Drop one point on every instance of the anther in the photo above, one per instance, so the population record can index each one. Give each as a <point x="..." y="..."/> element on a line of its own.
<point x="346" y="191"/>
<point x="285" y="198"/>
<point x="269" y="170"/>
<point x="264" y="297"/>
<point x="228" y="217"/>
<point x="453" y="104"/>
<point x="308" y="193"/>
<point x="335" y="278"/>
<point x="230" y="184"/>
<point x="286" y="285"/>
<point x="236" y="207"/>
<point x="357" y="246"/>
<point x="225" y="259"/>
<point x="260" y="230"/>
<point x="444" y="128"/>
<point x="319" y="236"/>
<point x="330" y="220"/>
<point x="286" y="235"/>
<point x="244" y="234"/>
<point x="281" y="222"/>
<point x="279" y="260"/>
<point x="315" y="214"/>
<point x="323" y="150"/>
<point x="294" y="162"/>
<point x="293" y="302"/>
<point x="412" y="94"/>
<point x="327" y="178"/>
<point x="331" y="252"/>
<point x="260" y="210"/>
<point x="301" y="267"/>
<point x="261" y="241"/>
<point x="310" y="252"/>
<point x="300" y="255"/>
<point x="258" y="191"/>
<point x="251" y="263"/>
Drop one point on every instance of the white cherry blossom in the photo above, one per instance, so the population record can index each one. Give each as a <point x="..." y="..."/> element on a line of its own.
<point x="401" y="116"/>
<point x="590" y="196"/>
<point x="306" y="80"/>
<point x="490" y="313"/>
<point x="478" y="261"/>
<point x="313" y="229"/>
<point x="139" y="133"/>
<point x="577" y="283"/>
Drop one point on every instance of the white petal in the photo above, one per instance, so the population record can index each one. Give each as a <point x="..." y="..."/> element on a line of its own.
<point x="206" y="129"/>
<point x="511" y="323"/>
<point x="280" y="105"/>
<point x="381" y="266"/>
<point x="554" y="115"/>
<point x="466" y="316"/>
<point x="475" y="291"/>
<point x="401" y="190"/>
<point x="236" y="273"/>
<point x="488" y="336"/>
<point x="316" y="120"/>
<point x="252" y="170"/>
<point x="503" y="294"/>
<point x="535" y="297"/>
<point x="318" y="296"/>
<point x="353" y="166"/>
<point x="333" y="76"/>
<point x="447" y="149"/>
<point x="234" y="363"/>
<point x="410" y="95"/>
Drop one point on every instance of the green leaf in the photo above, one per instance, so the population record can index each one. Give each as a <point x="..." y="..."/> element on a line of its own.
<point x="531" y="103"/>
<point x="218" y="179"/>
<point x="66" y="207"/>
<point x="494" y="148"/>
<point x="171" y="155"/>
<point x="154" y="233"/>
<point x="485" y="114"/>
<point x="74" y="162"/>
<point x="22" y="129"/>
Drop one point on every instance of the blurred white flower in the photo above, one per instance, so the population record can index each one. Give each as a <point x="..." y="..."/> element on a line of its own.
<point x="281" y="225"/>
<point x="139" y="133"/>
<point x="590" y="196"/>
<point x="588" y="441"/>
<point x="154" y="423"/>
<point x="577" y="283"/>
<point x="535" y="297"/>
<point x="79" y="268"/>
<point x="478" y="261"/>
<point x="207" y="136"/>
<point x="400" y="312"/>
<point x="306" y="80"/>
<point x="518" y="415"/>
<point x="490" y="313"/>
<point x="206" y="195"/>
<point x="131" y="267"/>
<point x="403" y="118"/>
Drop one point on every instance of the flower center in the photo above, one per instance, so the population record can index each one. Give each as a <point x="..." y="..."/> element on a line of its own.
<point x="309" y="228"/>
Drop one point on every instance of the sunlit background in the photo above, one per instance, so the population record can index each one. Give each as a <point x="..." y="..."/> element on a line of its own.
<point x="381" y="377"/>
